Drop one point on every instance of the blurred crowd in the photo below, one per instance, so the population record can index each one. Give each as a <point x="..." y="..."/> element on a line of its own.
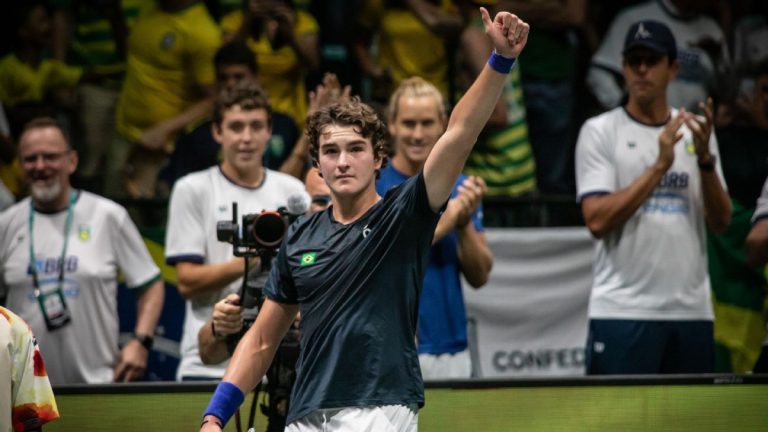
<point x="132" y="80"/>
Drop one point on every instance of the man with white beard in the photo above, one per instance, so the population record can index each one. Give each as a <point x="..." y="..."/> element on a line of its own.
<point x="60" y="252"/>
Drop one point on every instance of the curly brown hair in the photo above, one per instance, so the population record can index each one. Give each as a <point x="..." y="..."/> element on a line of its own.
<point x="247" y="95"/>
<point x="354" y="113"/>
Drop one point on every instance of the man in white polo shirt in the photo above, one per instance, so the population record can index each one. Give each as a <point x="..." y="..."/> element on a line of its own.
<point x="649" y="181"/>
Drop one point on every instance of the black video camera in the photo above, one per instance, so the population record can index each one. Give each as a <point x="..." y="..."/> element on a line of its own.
<point x="258" y="235"/>
<point x="261" y="232"/>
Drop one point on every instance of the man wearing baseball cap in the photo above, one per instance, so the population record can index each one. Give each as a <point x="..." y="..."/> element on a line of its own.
<point x="702" y="47"/>
<point x="649" y="181"/>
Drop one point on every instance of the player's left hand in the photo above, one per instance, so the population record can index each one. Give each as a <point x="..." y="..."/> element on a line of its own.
<point x="132" y="362"/>
<point x="701" y="127"/>
<point x="508" y="33"/>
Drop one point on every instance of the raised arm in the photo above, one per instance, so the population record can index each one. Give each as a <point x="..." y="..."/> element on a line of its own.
<point x="509" y="35"/>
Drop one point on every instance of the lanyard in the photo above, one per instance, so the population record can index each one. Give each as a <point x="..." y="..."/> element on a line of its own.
<point x="67" y="227"/>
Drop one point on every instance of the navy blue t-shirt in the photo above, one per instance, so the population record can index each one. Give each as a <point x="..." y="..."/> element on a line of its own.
<point x="358" y="287"/>
<point x="442" y="316"/>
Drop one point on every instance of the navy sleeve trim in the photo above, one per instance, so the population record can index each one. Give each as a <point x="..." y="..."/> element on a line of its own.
<point x="759" y="217"/>
<point x="580" y="198"/>
<point x="196" y="259"/>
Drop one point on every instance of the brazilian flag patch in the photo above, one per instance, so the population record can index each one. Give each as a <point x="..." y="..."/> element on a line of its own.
<point x="308" y="258"/>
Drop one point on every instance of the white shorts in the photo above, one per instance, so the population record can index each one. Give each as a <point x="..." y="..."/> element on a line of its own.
<point x="445" y="366"/>
<point x="385" y="418"/>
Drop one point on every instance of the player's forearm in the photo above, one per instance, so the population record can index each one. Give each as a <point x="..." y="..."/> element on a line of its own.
<point x="474" y="48"/>
<point x="605" y="213"/>
<point x="717" y="203"/>
<point x="447" y="159"/>
<point x="475" y="257"/>
<point x="257" y="347"/>
<point x="149" y="307"/>
<point x="473" y="109"/>
<point x="195" y="279"/>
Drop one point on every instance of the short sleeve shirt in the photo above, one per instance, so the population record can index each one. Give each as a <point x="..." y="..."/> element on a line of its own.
<point x="653" y="267"/>
<point x="102" y="242"/>
<point x="358" y="287"/>
<point x="31" y="403"/>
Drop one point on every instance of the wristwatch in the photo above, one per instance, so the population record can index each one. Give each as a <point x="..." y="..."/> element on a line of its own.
<point x="145" y="340"/>
<point x="709" y="165"/>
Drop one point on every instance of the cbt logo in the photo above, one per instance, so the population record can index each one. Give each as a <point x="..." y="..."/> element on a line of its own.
<point x="674" y="180"/>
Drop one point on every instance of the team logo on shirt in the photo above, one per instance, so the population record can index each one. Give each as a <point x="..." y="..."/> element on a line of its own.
<point x="84" y="232"/>
<point x="366" y="231"/>
<point x="689" y="147"/>
<point x="308" y="258"/>
<point x="167" y="40"/>
<point x="631" y="144"/>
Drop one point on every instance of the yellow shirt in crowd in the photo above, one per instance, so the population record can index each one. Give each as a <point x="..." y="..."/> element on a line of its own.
<point x="280" y="70"/>
<point x="170" y="55"/>
<point x="406" y="46"/>
<point x="20" y="82"/>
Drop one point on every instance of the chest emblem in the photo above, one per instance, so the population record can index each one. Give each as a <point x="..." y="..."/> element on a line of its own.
<point x="167" y="41"/>
<point x="689" y="147"/>
<point x="84" y="232"/>
<point x="308" y="258"/>
<point x="366" y="231"/>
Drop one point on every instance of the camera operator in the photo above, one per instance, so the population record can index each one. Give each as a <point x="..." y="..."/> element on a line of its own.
<point x="206" y="268"/>
<point x="215" y="336"/>
<point x="227" y="317"/>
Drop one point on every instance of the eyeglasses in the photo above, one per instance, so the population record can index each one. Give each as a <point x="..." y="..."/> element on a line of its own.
<point x="634" y="60"/>
<point x="51" y="157"/>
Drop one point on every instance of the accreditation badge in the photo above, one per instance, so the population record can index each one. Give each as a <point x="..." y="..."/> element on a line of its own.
<point x="54" y="309"/>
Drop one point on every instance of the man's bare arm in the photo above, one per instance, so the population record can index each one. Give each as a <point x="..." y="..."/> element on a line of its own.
<point x="509" y="35"/>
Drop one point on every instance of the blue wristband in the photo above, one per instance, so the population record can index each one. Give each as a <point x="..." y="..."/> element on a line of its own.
<point x="225" y="401"/>
<point x="500" y="64"/>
